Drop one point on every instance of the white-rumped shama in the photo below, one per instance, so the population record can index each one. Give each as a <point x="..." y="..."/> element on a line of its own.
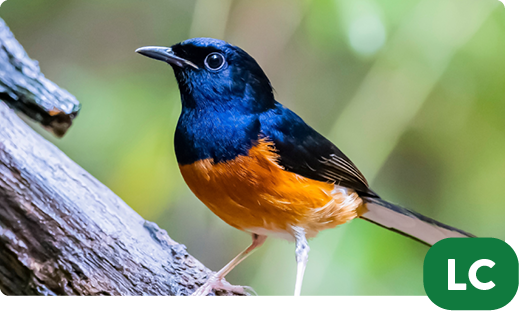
<point x="259" y="167"/>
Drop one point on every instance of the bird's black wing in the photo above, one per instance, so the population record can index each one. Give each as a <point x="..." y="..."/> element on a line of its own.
<point x="304" y="151"/>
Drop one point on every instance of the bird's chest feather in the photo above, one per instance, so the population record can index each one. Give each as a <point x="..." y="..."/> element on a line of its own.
<point x="252" y="192"/>
<point x="221" y="137"/>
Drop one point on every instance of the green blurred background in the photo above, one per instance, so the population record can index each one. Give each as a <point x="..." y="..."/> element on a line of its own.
<point x="411" y="90"/>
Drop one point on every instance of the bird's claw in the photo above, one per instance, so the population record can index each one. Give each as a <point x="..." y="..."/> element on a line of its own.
<point x="214" y="282"/>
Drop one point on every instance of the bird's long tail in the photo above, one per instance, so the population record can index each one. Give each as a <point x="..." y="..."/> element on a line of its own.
<point x="408" y="223"/>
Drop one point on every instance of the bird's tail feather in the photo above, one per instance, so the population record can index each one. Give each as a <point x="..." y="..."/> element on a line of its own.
<point x="408" y="223"/>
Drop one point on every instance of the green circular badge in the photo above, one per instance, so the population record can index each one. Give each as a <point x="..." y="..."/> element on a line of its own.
<point x="471" y="273"/>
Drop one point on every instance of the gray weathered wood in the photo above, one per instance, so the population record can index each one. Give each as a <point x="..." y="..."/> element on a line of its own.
<point x="24" y="88"/>
<point x="62" y="232"/>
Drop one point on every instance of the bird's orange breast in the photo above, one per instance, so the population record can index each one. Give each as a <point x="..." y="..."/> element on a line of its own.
<point x="254" y="193"/>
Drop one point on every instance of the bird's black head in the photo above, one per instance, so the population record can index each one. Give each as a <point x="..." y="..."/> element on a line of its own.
<point x="214" y="73"/>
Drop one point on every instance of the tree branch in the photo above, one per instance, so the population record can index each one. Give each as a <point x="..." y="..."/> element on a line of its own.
<point x="25" y="89"/>
<point x="62" y="232"/>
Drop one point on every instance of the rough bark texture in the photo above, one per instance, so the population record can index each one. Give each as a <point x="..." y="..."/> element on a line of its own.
<point x="24" y="88"/>
<point x="62" y="232"/>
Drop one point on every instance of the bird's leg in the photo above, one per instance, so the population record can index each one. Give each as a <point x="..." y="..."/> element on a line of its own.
<point x="301" y="253"/>
<point x="216" y="281"/>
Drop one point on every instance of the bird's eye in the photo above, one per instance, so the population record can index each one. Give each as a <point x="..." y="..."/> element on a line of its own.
<point x="214" y="61"/>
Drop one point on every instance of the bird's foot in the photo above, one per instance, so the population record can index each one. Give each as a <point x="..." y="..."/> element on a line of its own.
<point x="214" y="282"/>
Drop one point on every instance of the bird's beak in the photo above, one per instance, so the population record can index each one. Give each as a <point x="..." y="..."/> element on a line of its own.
<point x="165" y="54"/>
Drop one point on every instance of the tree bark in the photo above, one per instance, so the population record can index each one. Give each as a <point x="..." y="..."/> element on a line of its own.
<point x="25" y="89"/>
<point x="62" y="232"/>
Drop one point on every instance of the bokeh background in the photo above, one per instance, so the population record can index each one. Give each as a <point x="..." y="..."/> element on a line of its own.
<point x="411" y="90"/>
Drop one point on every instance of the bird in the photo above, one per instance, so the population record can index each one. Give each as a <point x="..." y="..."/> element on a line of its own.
<point x="259" y="167"/>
